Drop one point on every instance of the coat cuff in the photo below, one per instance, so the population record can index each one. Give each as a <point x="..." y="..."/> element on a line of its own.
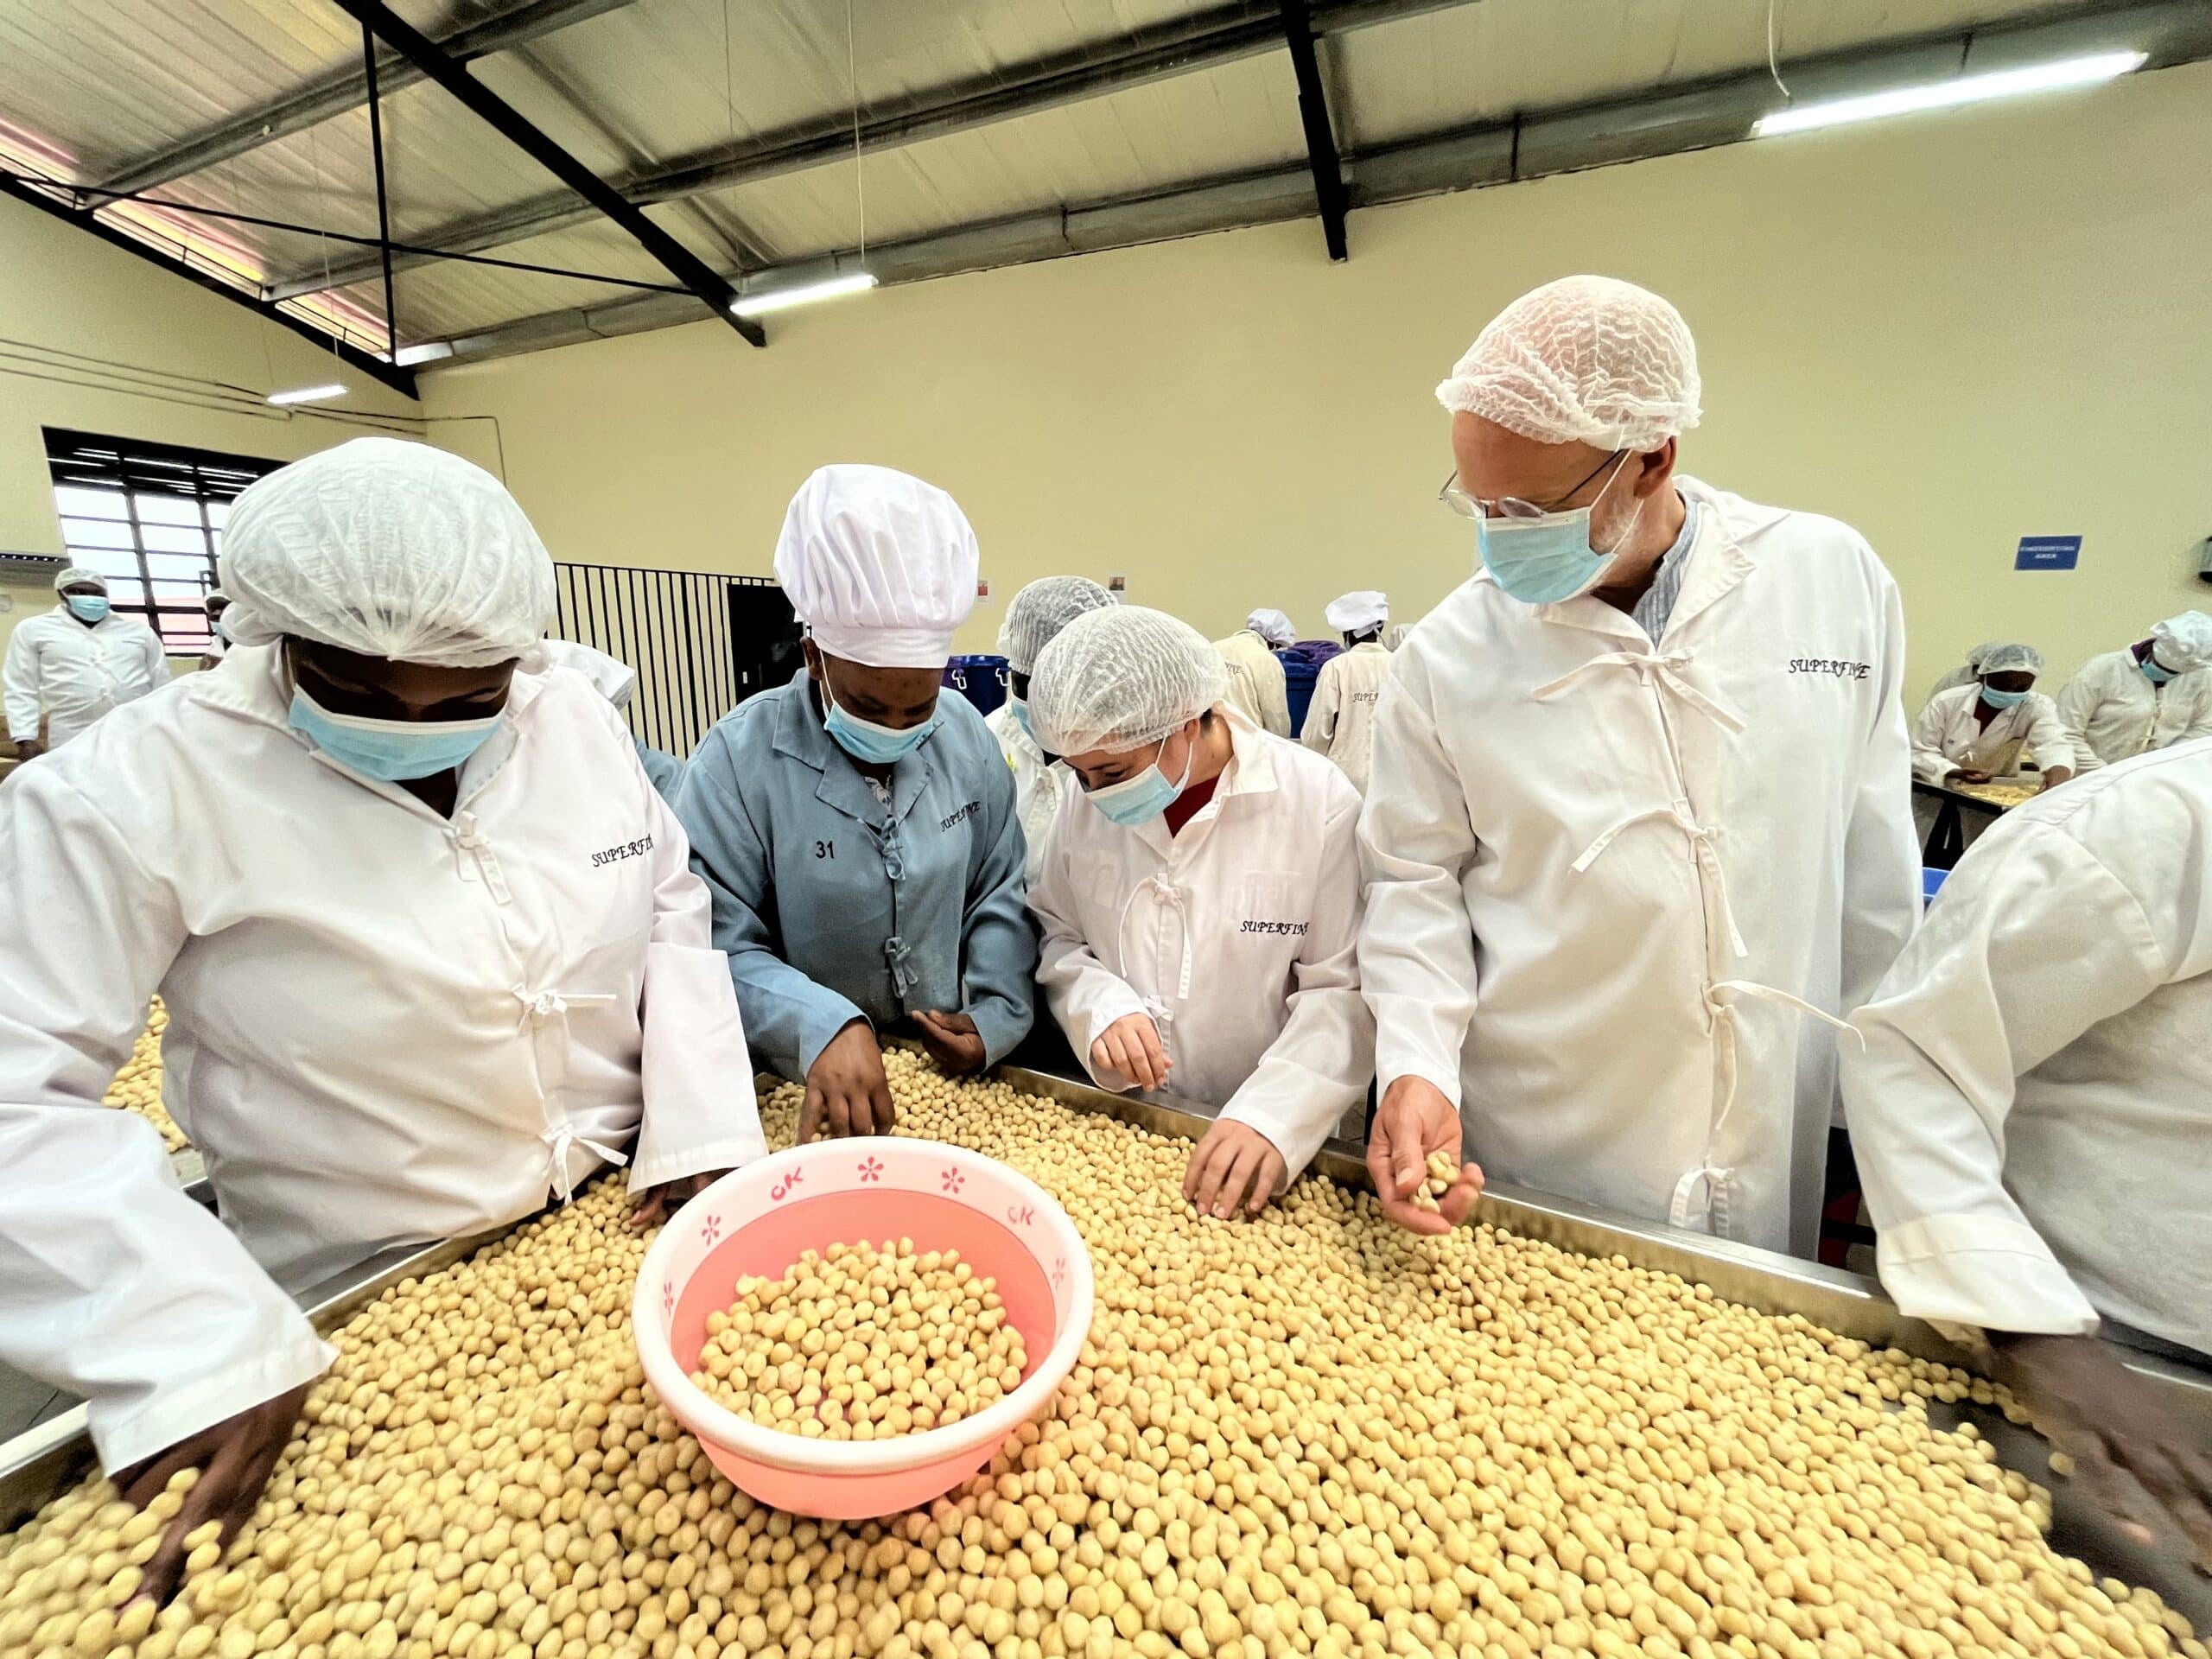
<point x="128" y="1437"/>
<point x="1986" y="1271"/>
<point x="1001" y="1025"/>
<point x="695" y="1071"/>
<point x="821" y="1023"/>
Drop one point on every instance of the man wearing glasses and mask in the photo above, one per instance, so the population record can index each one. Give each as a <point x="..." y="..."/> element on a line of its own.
<point x="1639" y="824"/>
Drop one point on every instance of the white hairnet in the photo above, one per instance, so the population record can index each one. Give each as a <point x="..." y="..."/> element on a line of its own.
<point x="1273" y="626"/>
<point x="1041" y="610"/>
<point x="2185" y="642"/>
<point x="2006" y="658"/>
<point x="78" y="572"/>
<point x="1974" y="657"/>
<point x="610" y="676"/>
<point x="1117" y="679"/>
<point x="1590" y="360"/>
<point x="391" y="549"/>
<point x="1359" y="612"/>
<point x="881" y="566"/>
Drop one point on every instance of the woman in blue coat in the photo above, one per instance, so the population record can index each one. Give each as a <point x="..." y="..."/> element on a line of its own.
<point x="858" y="835"/>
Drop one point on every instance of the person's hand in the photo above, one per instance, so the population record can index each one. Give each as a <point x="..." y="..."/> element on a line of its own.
<point x="2055" y="776"/>
<point x="1233" y="1164"/>
<point x="845" y="1090"/>
<point x="657" y="1204"/>
<point x="1414" y="1121"/>
<point x="952" y="1041"/>
<point x="234" y="1458"/>
<point x="1967" y="775"/>
<point x="1131" y="1046"/>
<point x="29" y="748"/>
<point x="2108" y="1419"/>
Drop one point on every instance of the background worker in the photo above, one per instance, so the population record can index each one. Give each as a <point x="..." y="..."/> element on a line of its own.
<point x="2030" y="1106"/>
<point x="1971" y="733"/>
<point x="364" y="862"/>
<point x="1340" y="723"/>
<point x="2156" y="692"/>
<point x="1038" y="612"/>
<point x="215" y="602"/>
<point x="1969" y="674"/>
<point x="856" y="829"/>
<point x="76" y="662"/>
<point x="1256" y="683"/>
<point x="1595" y="925"/>
<point x="1200" y="903"/>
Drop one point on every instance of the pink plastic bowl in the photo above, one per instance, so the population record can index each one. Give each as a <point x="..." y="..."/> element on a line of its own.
<point x="760" y="1219"/>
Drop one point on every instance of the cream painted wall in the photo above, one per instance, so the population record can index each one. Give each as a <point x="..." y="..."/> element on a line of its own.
<point x="1951" y="330"/>
<point x="63" y="291"/>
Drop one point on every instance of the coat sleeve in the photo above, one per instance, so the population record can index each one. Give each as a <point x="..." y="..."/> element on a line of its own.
<point x="1416" y="947"/>
<point x="1084" y="995"/>
<point x="2047" y="735"/>
<point x="1321" y="714"/>
<point x="157" y="661"/>
<point x="998" y="950"/>
<point x="1930" y="764"/>
<point x="113" y="1284"/>
<point x="1275" y="697"/>
<point x="20" y="677"/>
<point x="2077" y="706"/>
<point x="2034" y="942"/>
<point x="700" y="1111"/>
<point x="1321" y="1061"/>
<point x="2200" y="719"/>
<point x="1881" y="850"/>
<point x="789" y="1019"/>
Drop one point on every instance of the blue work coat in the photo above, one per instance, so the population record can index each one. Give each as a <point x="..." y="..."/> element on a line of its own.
<point x="662" y="771"/>
<point x="832" y="905"/>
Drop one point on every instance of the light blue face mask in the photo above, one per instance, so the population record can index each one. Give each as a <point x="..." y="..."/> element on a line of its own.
<point x="1997" y="699"/>
<point x="1143" y="797"/>
<point x="391" y="751"/>
<point x="1020" y="708"/>
<point x="864" y="739"/>
<point x="88" y="607"/>
<point x="1544" y="560"/>
<point x="2154" y="670"/>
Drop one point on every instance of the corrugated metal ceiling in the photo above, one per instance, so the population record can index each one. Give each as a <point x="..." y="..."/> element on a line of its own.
<point x="90" y="90"/>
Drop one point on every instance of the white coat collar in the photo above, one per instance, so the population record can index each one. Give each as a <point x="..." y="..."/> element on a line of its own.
<point x="1715" y="563"/>
<point x="801" y="734"/>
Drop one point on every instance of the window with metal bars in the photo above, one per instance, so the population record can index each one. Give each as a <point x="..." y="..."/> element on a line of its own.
<point x="148" y="518"/>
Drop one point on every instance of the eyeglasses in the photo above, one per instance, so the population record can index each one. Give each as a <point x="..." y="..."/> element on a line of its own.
<point x="1511" y="507"/>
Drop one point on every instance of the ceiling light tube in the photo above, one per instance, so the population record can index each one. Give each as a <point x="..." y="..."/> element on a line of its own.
<point x="1946" y="94"/>
<point x="783" y="299"/>
<point x="307" y="395"/>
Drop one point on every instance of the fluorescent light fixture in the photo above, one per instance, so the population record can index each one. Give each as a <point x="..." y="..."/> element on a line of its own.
<point x="782" y="299"/>
<point x="428" y="352"/>
<point x="307" y="395"/>
<point x="1945" y="94"/>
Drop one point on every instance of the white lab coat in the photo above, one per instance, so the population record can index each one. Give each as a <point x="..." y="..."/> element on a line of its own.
<point x="2032" y="1105"/>
<point x="76" y="673"/>
<point x="2112" y="711"/>
<point x="1947" y="736"/>
<point x="1567" y="829"/>
<point x="1341" y="722"/>
<point x="1256" y="684"/>
<point x="1238" y="936"/>
<point x="384" y="1027"/>
<point x="1036" y="783"/>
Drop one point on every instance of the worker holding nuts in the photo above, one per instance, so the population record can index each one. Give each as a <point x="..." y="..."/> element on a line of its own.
<point x="1200" y="903"/>
<point x="429" y="945"/>
<point x="858" y="830"/>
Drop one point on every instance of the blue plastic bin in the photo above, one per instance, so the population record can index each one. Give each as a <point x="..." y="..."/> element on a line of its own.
<point x="1931" y="883"/>
<point x="981" y="679"/>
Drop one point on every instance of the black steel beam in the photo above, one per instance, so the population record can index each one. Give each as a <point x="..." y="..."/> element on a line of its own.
<point x="384" y="197"/>
<point x="517" y="24"/>
<point x="1320" y="137"/>
<point x="400" y="380"/>
<point x="1225" y="33"/>
<point x="510" y="123"/>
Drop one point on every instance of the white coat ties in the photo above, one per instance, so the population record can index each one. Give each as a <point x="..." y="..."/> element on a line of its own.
<point x="384" y="1027"/>
<point x="1340" y="723"/>
<point x="2032" y="1106"/>
<point x="77" y="673"/>
<point x="1948" y="736"/>
<point x="1237" y="936"/>
<point x="1608" y="875"/>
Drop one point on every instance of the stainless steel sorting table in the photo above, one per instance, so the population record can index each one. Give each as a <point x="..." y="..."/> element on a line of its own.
<point x="37" y="1465"/>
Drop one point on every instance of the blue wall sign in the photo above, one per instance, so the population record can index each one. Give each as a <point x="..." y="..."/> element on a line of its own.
<point x="2048" y="553"/>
